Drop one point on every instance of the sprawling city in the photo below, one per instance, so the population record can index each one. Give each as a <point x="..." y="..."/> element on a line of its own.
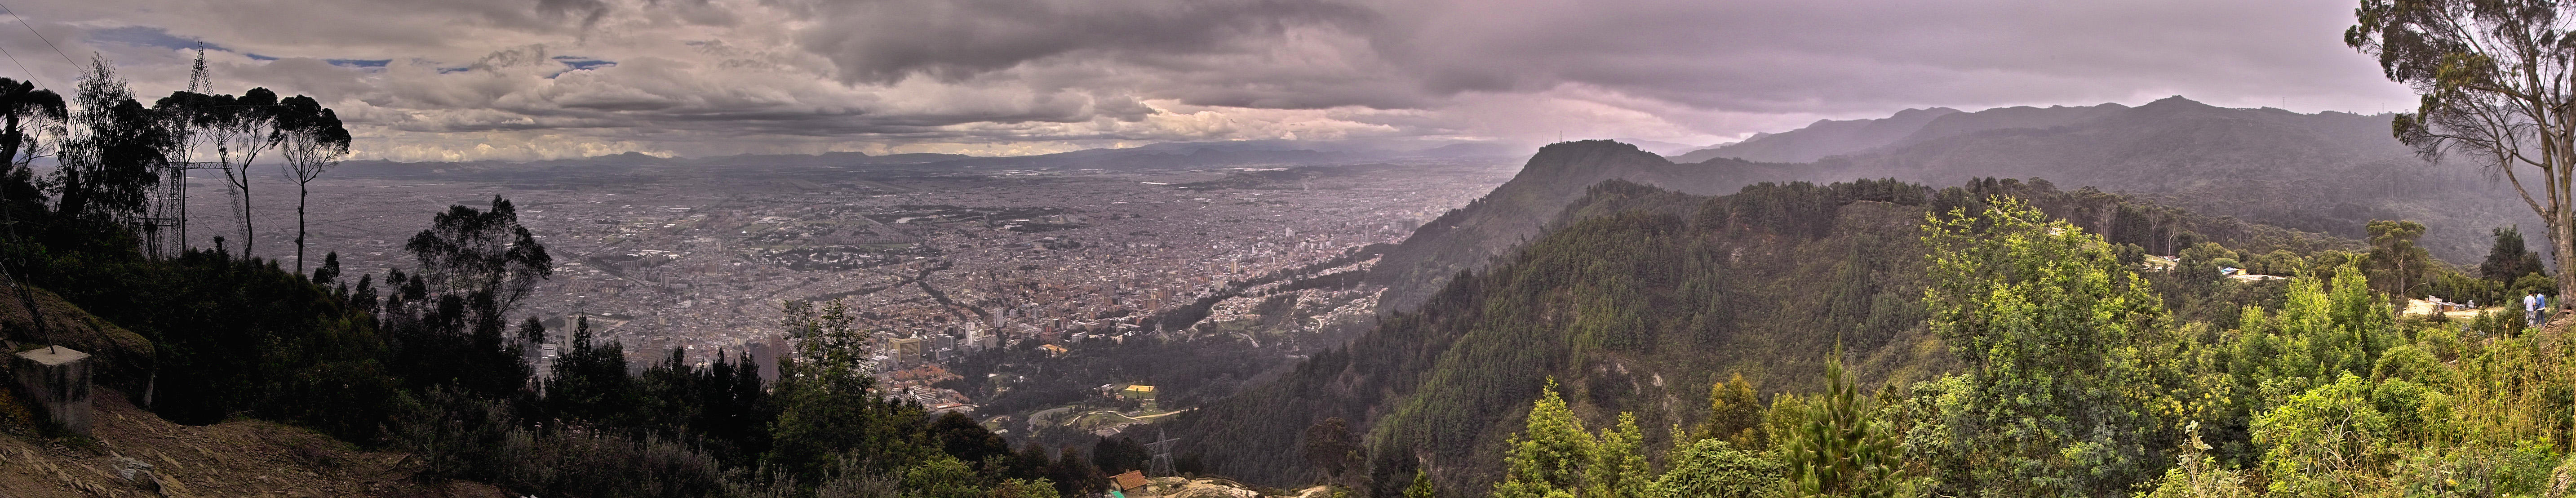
<point x="939" y="262"/>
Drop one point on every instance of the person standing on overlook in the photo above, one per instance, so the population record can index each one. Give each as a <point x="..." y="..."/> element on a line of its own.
<point x="2531" y="309"/>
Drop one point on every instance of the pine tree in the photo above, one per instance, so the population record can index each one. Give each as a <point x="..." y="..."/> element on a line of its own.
<point x="1840" y="451"/>
<point x="2510" y="259"/>
<point x="1734" y="414"/>
<point x="1421" y="487"/>
<point x="1618" y="467"/>
<point x="1550" y="455"/>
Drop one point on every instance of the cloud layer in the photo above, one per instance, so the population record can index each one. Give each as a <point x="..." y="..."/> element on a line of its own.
<point x="525" y="79"/>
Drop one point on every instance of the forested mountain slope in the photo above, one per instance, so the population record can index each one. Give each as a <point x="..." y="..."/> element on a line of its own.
<point x="2003" y="118"/>
<point x="2329" y="173"/>
<point x="1465" y="238"/>
<point x="1823" y="138"/>
<point x="1826" y="138"/>
<point x="1637" y="299"/>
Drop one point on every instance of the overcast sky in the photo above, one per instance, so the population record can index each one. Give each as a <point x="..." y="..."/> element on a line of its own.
<point x="527" y="79"/>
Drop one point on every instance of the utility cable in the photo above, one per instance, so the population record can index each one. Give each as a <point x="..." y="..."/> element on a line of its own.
<point x="26" y="292"/>
<point x="31" y="73"/>
<point x="22" y="21"/>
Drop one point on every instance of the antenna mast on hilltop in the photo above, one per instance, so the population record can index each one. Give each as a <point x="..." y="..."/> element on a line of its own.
<point x="198" y="82"/>
<point x="166" y="227"/>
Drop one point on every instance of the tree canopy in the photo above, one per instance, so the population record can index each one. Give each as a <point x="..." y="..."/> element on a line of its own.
<point x="2496" y="84"/>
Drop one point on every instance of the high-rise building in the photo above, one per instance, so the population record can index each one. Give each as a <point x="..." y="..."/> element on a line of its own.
<point x="765" y="353"/>
<point x="907" y="351"/>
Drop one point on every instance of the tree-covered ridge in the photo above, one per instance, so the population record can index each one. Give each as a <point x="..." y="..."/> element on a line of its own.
<point x="1468" y="237"/>
<point x="1492" y="337"/>
<point x="2075" y="378"/>
<point x="1639" y="299"/>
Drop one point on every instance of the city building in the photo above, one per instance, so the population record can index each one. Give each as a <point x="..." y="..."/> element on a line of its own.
<point x="907" y="351"/>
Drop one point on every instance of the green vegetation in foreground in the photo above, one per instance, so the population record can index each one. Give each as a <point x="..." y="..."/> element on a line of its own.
<point x="1639" y="299"/>
<point x="2077" y="380"/>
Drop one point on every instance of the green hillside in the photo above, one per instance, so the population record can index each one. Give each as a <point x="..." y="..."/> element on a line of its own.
<point x="1638" y="299"/>
<point x="1467" y="237"/>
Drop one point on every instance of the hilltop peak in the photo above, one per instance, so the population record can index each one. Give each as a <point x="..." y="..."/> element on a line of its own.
<point x="1924" y="112"/>
<point x="1558" y="174"/>
<point x="1589" y="147"/>
<point x="1565" y="158"/>
<point x="2176" y="102"/>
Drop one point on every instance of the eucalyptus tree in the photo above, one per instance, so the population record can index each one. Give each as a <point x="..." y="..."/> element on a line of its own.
<point x="481" y="253"/>
<point x="114" y="154"/>
<point x="30" y="118"/>
<point x="241" y="128"/>
<point x="2496" y="81"/>
<point x="312" y="140"/>
<point x="447" y="320"/>
<point x="30" y="114"/>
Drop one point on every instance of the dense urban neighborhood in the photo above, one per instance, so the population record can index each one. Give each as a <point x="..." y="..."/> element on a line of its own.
<point x="940" y="264"/>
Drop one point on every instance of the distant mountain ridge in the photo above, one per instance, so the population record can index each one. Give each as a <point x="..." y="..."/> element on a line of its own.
<point x="2328" y="172"/>
<point x="1826" y="138"/>
<point x="1663" y="148"/>
<point x="2003" y="118"/>
<point x="1822" y="138"/>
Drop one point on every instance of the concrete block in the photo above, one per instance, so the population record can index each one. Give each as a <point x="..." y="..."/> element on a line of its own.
<point x="56" y="381"/>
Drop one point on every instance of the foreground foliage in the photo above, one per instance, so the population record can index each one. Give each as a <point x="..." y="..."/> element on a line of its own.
<point x="2079" y="380"/>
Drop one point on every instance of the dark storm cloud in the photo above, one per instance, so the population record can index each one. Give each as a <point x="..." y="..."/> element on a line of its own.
<point x="882" y="41"/>
<point x="1835" y="55"/>
<point x="449" y="78"/>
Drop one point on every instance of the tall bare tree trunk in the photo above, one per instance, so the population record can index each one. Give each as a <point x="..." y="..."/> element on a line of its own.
<point x="249" y="236"/>
<point x="2562" y="242"/>
<point x="301" y="195"/>
<point x="241" y="204"/>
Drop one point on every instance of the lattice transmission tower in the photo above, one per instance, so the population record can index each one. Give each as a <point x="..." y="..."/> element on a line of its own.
<point x="1162" y="464"/>
<point x="165" y="227"/>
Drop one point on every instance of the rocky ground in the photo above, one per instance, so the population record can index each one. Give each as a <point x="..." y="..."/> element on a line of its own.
<point x="131" y="453"/>
<point x="1213" y="487"/>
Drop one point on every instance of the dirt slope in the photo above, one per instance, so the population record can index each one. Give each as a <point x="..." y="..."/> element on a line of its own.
<point x="238" y="458"/>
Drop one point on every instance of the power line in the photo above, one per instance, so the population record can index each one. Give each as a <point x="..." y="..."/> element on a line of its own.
<point x="22" y="66"/>
<point x="22" y="21"/>
<point x="31" y="73"/>
<point x="26" y="293"/>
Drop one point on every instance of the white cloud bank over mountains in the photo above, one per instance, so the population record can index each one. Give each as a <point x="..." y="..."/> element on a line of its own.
<point x="530" y="79"/>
